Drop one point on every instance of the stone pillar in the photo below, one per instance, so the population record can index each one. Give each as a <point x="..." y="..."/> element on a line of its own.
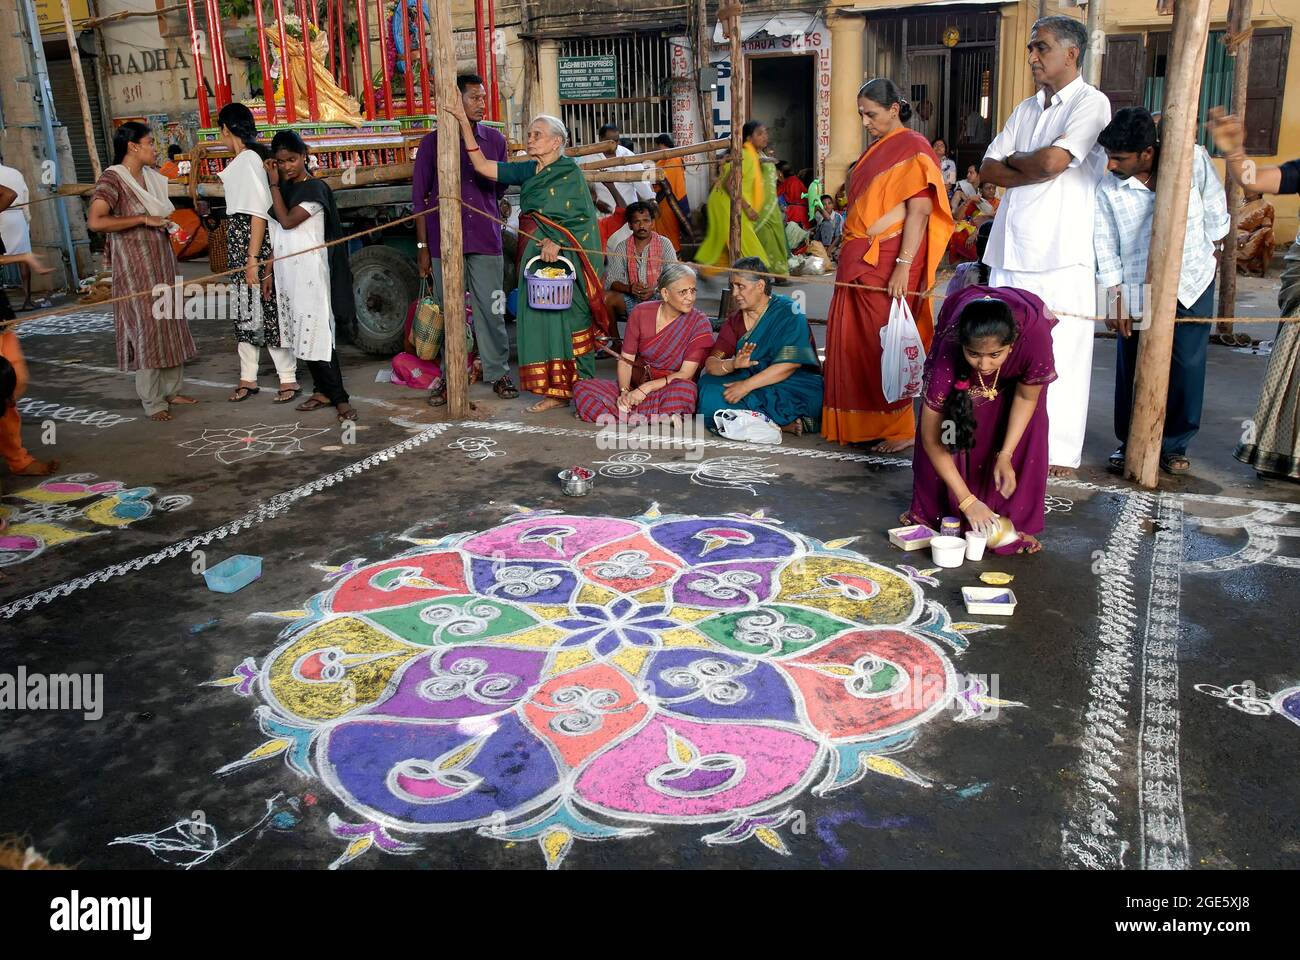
<point x="847" y="37"/>
<point x="548" y="77"/>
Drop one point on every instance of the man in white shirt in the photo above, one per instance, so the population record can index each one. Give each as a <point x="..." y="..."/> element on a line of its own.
<point x="1048" y="160"/>
<point x="1125" y="206"/>
<point x="616" y="197"/>
<point x="14" y="227"/>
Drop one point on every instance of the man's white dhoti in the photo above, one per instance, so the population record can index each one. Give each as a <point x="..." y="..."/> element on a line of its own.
<point x="1065" y="290"/>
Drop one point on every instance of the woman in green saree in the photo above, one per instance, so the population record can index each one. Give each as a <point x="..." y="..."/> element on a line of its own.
<point x="556" y="347"/>
<point x="762" y="228"/>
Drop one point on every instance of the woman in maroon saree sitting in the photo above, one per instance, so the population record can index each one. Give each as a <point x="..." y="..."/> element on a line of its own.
<point x="983" y="449"/>
<point x="666" y="342"/>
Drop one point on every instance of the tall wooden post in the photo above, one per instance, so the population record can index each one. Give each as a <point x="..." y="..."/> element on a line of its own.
<point x="1238" y="23"/>
<point x="1169" y="225"/>
<point x="703" y="47"/>
<point x="449" y="216"/>
<point x="730" y="15"/>
<point x="80" y="77"/>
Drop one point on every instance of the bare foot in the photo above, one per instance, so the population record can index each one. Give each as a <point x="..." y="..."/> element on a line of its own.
<point x="547" y="403"/>
<point x="38" y="468"/>
<point x="795" y="427"/>
<point x="181" y="400"/>
<point x="906" y="519"/>
<point x="892" y="446"/>
<point x="1065" y="473"/>
<point x="161" y="416"/>
<point x="1031" y="544"/>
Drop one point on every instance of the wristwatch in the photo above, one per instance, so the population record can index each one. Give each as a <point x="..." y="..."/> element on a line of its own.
<point x="420" y="245"/>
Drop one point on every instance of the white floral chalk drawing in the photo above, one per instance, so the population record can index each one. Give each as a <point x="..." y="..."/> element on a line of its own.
<point x="735" y="473"/>
<point x="476" y="448"/>
<point x="235" y="444"/>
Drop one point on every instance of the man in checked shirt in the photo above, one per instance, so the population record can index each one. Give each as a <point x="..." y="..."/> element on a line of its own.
<point x="1122" y="239"/>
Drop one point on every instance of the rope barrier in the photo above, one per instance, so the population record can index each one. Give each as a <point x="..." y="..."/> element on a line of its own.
<point x="928" y="294"/>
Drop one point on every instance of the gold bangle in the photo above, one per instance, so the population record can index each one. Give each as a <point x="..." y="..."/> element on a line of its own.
<point x="967" y="502"/>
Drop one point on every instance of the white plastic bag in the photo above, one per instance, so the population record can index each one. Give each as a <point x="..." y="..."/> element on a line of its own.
<point x="748" y="425"/>
<point x="902" y="362"/>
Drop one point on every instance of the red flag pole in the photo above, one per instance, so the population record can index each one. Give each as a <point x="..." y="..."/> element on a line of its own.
<point x="495" y="95"/>
<point x="480" y="60"/>
<point x="196" y="52"/>
<point x="330" y="40"/>
<point x="406" y="71"/>
<point x="424" y="60"/>
<point x="268" y="88"/>
<point x="337" y="37"/>
<point x="385" y="41"/>
<point x="215" y="53"/>
<point x="286" y="78"/>
<point x="363" y="29"/>
<point x="309" y="62"/>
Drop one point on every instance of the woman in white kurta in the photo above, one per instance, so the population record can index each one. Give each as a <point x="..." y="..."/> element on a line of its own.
<point x="310" y="297"/>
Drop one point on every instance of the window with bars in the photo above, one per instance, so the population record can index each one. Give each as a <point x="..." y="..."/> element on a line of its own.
<point x="1135" y="72"/>
<point x="642" y="106"/>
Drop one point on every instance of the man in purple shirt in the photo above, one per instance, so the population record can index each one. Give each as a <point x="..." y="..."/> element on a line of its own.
<point x="481" y="238"/>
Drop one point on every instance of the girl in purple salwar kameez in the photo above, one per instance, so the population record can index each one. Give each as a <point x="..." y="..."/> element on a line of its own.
<point x="984" y="422"/>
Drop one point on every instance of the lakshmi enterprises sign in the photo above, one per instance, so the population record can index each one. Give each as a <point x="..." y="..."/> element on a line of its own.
<point x="589" y="78"/>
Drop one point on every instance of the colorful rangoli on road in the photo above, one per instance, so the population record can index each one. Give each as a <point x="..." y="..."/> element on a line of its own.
<point x="70" y="508"/>
<point x="561" y="678"/>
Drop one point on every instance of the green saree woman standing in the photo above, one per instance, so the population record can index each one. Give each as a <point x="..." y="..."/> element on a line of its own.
<point x="762" y="228"/>
<point x="557" y="218"/>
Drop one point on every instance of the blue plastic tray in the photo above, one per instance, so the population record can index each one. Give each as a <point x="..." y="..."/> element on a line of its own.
<point x="233" y="574"/>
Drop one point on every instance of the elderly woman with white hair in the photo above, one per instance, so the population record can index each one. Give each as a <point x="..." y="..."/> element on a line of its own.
<point x="666" y="343"/>
<point x="556" y="347"/>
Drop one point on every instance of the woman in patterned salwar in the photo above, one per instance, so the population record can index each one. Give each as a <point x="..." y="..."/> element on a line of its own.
<point x="895" y="234"/>
<point x="130" y="204"/>
<point x="665" y="345"/>
<point x="557" y="348"/>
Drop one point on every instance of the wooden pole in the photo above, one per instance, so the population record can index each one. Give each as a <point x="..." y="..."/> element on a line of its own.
<point x="453" y="265"/>
<point x="666" y="153"/>
<point x="1238" y="23"/>
<point x="80" y="77"/>
<point x="622" y="176"/>
<point x="703" y="47"/>
<point x="1169" y="225"/>
<point x="600" y="146"/>
<point x="731" y="13"/>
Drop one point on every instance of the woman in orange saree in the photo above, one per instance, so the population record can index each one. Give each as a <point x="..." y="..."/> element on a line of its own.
<point x="674" y="219"/>
<point x="895" y="233"/>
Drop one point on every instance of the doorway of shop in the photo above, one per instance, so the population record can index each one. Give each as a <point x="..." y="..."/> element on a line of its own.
<point x="782" y="95"/>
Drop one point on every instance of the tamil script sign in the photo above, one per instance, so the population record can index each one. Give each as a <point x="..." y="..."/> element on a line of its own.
<point x="589" y="78"/>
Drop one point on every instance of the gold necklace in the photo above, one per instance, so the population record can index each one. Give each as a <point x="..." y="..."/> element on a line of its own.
<point x="987" y="391"/>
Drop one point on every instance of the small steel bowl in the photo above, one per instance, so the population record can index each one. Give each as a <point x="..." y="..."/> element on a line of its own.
<point x="575" y="486"/>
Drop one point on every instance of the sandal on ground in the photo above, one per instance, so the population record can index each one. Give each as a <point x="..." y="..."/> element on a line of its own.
<point x="1115" y="461"/>
<point x="1175" y="464"/>
<point x="349" y="414"/>
<point x="505" y="388"/>
<point x="292" y="394"/>
<point x="438" y="393"/>
<point x="243" y="393"/>
<point x="311" y="403"/>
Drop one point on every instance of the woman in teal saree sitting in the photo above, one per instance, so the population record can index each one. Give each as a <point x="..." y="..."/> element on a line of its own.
<point x="765" y="358"/>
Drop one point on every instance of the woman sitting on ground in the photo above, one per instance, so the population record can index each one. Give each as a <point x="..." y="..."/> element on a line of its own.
<point x="664" y="346"/>
<point x="765" y="358"/>
<point x="983" y="449"/>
